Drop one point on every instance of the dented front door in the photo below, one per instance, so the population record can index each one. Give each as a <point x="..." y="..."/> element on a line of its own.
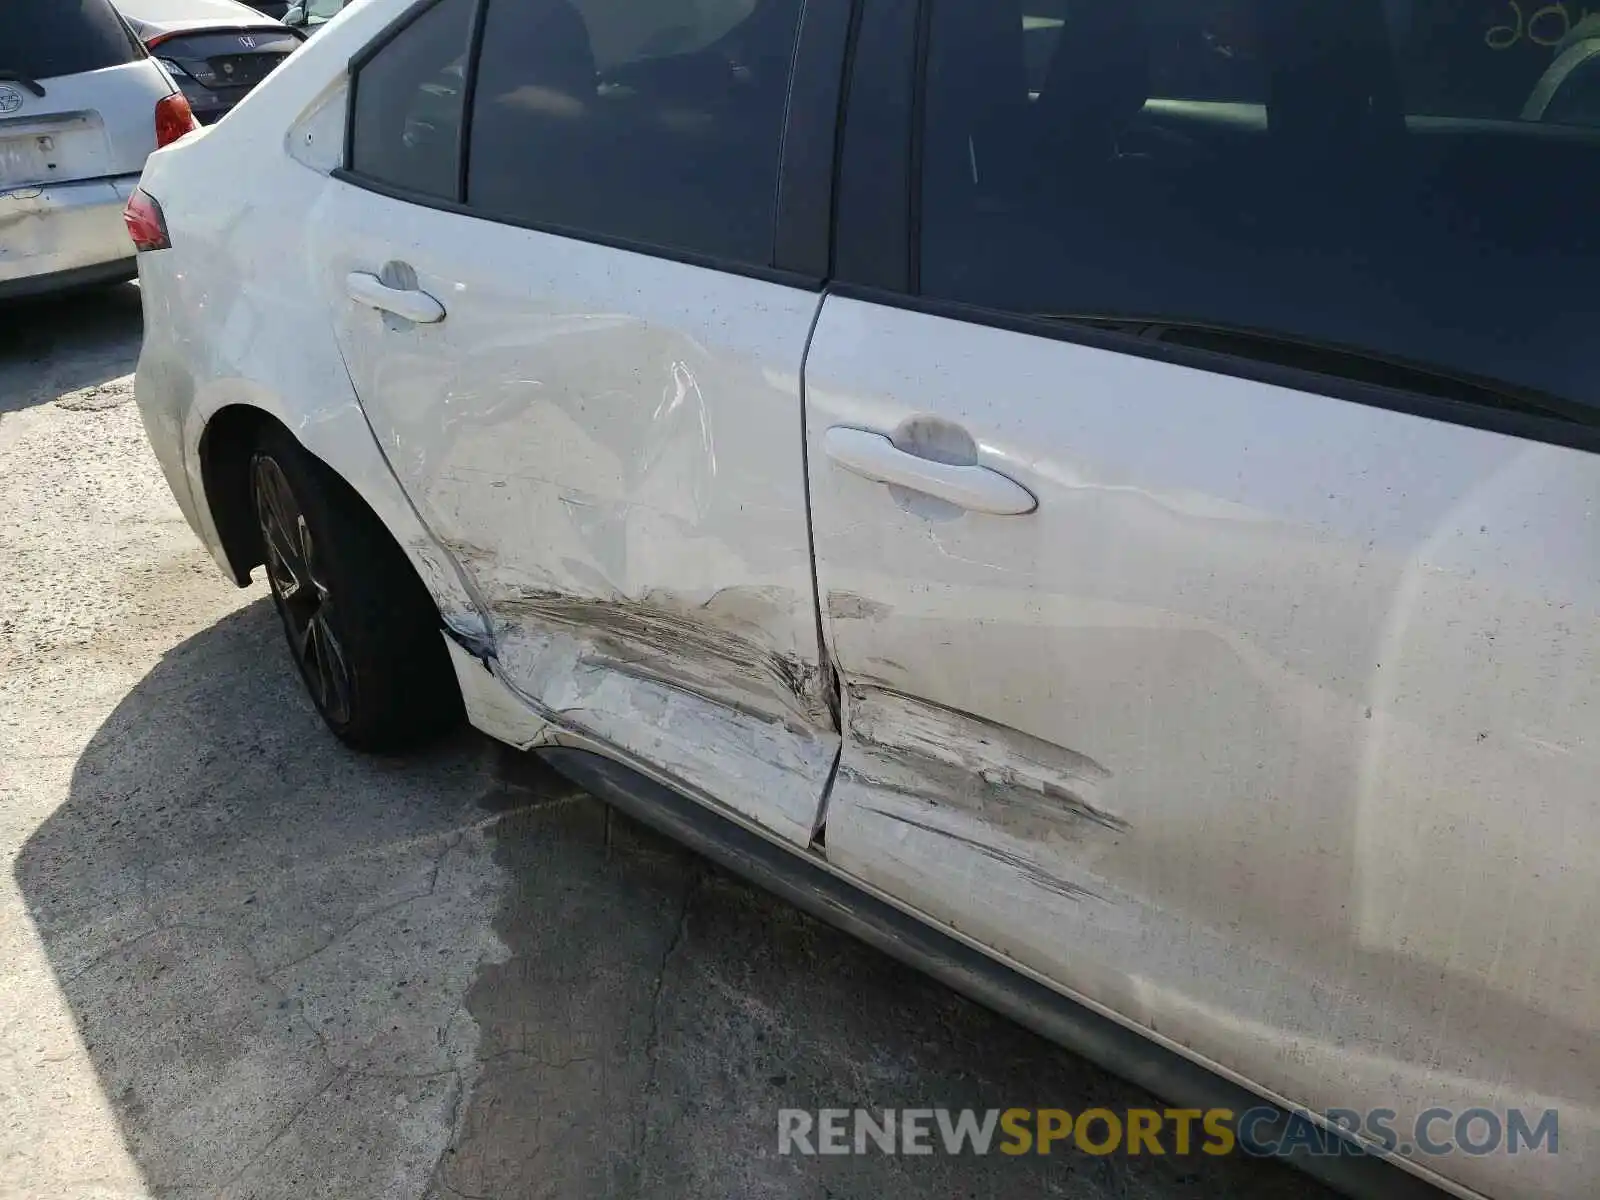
<point x="1268" y="726"/>
<point x="610" y="445"/>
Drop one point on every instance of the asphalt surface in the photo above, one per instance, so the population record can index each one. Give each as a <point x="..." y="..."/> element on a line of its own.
<point x="239" y="960"/>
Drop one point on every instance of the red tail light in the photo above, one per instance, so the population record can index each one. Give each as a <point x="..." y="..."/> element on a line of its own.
<point x="173" y="120"/>
<point x="147" y="225"/>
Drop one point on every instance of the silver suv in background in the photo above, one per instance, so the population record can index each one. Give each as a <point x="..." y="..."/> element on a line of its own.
<point x="81" y="107"/>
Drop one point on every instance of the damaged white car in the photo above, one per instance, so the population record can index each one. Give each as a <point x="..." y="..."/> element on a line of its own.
<point x="1097" y="498"/>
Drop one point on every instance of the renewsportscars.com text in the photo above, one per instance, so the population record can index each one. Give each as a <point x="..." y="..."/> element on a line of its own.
<point x="1259" y="1132"/>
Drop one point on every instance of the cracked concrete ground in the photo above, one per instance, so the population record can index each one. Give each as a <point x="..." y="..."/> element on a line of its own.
<point x="238" y="960"/>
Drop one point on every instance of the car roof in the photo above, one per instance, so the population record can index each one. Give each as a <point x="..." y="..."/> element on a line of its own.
<point x="150" y="18"/>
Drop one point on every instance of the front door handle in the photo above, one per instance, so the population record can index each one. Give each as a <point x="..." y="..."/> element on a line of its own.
<point x="413" y="304"/>
<point x="978" y="489"/>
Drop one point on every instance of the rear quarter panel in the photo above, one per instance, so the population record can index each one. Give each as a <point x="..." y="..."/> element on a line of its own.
<point x="232" y="316"/>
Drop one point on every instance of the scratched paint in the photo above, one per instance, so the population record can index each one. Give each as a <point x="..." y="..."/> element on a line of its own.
<point x="708" y="740"/>
<point x="714" y="649"/>
<point x="701" y="687"/>
<point x="847" y="606"/>
<point x="1025" y="867"/>
<point x="929" y="787"/>
<point x="1003" y="778"/>
<point x="1343" y="663"/>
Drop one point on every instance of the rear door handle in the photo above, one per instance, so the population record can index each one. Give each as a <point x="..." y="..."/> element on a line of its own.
<point x="413" y="304"/>
<point x="978" y="489"/>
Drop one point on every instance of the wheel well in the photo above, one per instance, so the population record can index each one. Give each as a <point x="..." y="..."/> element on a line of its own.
<point x="225" y="448"/>
<point x="228" y="445"/>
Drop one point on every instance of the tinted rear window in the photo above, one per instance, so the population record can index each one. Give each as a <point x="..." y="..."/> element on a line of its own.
<point x="43" y="38"/>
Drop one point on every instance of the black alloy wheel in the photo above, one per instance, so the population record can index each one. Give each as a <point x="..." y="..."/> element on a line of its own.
<point x="301" y="589"/>
<point x="365" y="633"/>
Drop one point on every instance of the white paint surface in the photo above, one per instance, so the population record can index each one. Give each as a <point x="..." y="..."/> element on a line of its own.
<point x="1337" y="665"/>
<point x="1327" y="674"/>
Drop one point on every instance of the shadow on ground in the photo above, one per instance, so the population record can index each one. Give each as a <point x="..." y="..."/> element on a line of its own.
<point x="54" y="347"/>
<point x="300" y="973"/>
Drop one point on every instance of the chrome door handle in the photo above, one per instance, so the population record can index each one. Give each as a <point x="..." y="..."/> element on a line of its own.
<point x="411" y="303"/>
<point x="978" y="489"/>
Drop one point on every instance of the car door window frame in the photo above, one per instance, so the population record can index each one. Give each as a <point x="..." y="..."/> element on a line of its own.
<point x="346" y="171"/>
<point x="874" y="231"/>
<point x="888" y="272"/>
<point x="1575" y="61"/>
<point x="802" y="219"/>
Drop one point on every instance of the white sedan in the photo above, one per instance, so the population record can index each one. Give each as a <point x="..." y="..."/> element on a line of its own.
<point x="1101" y="502"/>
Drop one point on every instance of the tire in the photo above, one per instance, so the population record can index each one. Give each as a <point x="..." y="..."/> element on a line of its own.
<point x="361" y="628"/>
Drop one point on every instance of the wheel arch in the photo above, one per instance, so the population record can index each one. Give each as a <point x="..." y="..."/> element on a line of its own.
<point x="356" y="462"/>
<point x="225" y="446"/>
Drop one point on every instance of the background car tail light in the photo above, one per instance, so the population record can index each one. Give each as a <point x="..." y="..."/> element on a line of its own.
<point x="147" y="224"/>
<point x="173" y="120"/>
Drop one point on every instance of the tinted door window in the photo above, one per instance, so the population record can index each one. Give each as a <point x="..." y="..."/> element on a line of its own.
<point x="1339" y="185"/>
<point x="407" y="127"/>
<point x="652" y="123"/>
<point x="63" y="37"/>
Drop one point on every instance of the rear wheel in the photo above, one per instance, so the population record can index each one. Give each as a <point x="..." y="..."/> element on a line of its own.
<point x="363" y="631"/>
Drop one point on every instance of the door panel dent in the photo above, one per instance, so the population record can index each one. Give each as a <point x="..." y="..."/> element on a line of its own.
<point x="980" y="788"/>
<point x="714" y="649"/>
<point x="703" y="745"/>
<point x="1342" y="662"/>
<point x="1000" y="777"/>
<point x="610" y="447"/>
